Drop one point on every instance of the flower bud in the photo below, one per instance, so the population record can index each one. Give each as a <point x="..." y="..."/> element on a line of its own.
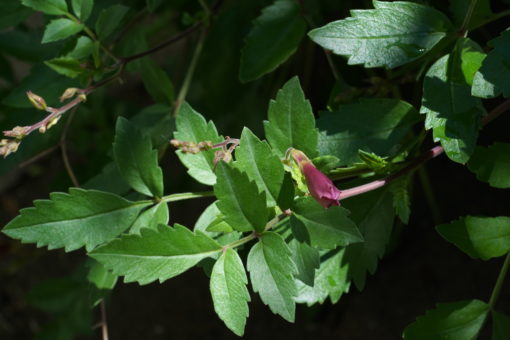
<point x="319" y="185"/>
<point x="38" y="101"/>
<point x="68" y="93"/>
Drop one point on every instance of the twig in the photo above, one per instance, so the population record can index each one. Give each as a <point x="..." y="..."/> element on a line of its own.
<point x="63" y="149"/>
<point x="496" y="112"/>
<point x="38" y="156"/>
<point x="104" y="321"/>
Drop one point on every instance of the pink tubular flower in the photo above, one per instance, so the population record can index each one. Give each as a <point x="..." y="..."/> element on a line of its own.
<point x="320" y="186"/>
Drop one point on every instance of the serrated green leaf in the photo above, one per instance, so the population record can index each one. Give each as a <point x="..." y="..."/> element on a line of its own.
<point x="500" y="326"/>
<point x="480" y="12"/>
<point x="274" y="37"/>
<point x="373" y="161"/>
<point x="136" y="160"/>
<point x="192" y="127"/>
<point x="479" y="237"/>
<point x="291" y="121"/>
<point x="492" y="164"/>
<point x="108" y="179"/>
<point x="496" y="67"/>
<point x="151" y="218"/>
<point x="307" y="259"/>
<point x="482" y="88"/>
<point x="239" y="199"/>
<point x="371" y="125"/>
<point x="59" y="29"/>
<point x="271" y="273"/>
<point x="82" y="8"/>
<point x="228" y="290"/>
<point x="109" y="19"/>
<point x="100" y="276"/>
<point x="373" y="214"/>
<point x="82" y="49"/>
<point x="452" y="113"/>
<point x="68" y="67"/>
<point x="52" y="7"/>
<point x="331" y="280"/>
<point x="453" y="321"/>
<point x="392" y="34"/>
<point x="321" y="227"/>
<point x="80" y="218"/>
<point x="256" y="158"/>
<point x="155" y="254"/>
<point x="401" y="201"/>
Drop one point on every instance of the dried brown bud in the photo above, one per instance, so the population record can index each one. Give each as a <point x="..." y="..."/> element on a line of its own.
<point x="38" y="102"/>
<point x="68" y="93"/>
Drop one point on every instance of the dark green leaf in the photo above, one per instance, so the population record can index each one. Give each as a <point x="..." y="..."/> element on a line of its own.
<point x="83" y="48"/>
<point x="453" y="321"/>
<point x="100" y="276"/>
<point x="372" y="125"/>
<point x="307" y="259"/>
<point x="239" y="199"/>
<point x="500" y="326"/>
<point x="481" y="12"/>
<point x="12" y="13"/>
<point x="479" y="237"/>
<point x="151" y="218"/>
<point x="452" y="113"/>
<point x="156" y="121"/>
<point x="80" y="218"/>
<point x="136" y="160"/>
<point x="25" y="45"/>
<point x="82" y="8"/>
<point x="109" y="19"/>
<point x="68" y="67"/>
<point x="291" y="121"/>
<point x="321" y="227"/>
<point x="271" y="272"/>
<point x="53" y="7"/>
<point x="192" y="127"/>
<point x="228" y="290"/>
<point x="256" y="158"/>
<point x="326" y="163"/>
<point x="492" y="164"/>
<point x="392" y="34"/>
<point x="373" y="213"/>
<point x="152" y="5"/>
<point x="275" y="36"/>
<point x="331" y="280"/>
<point x="156" y="254"/>
<point x="496" y="67"/>
<point x="59" y="29"/>
<point x="109" y="179"/>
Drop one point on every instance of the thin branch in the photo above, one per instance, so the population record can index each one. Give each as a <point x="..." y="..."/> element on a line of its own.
<point x="164" y="44"/>
<point x="496" y="112"/>
<point x="38" y="156"/>
<point x="63" y="149"/>
<point x="467" y="18"/>
<point x="432" y="153"/>
<point x="104" y="321"/>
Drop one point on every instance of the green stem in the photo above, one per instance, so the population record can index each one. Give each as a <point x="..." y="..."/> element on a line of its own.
<point x="499" y="282"/>
<point x="467" y="18"/>
<point x="493" y="18"/>
<point x="92" y="36"/>
<point x="186" y="196"/>
<point x="183" y="92"/>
